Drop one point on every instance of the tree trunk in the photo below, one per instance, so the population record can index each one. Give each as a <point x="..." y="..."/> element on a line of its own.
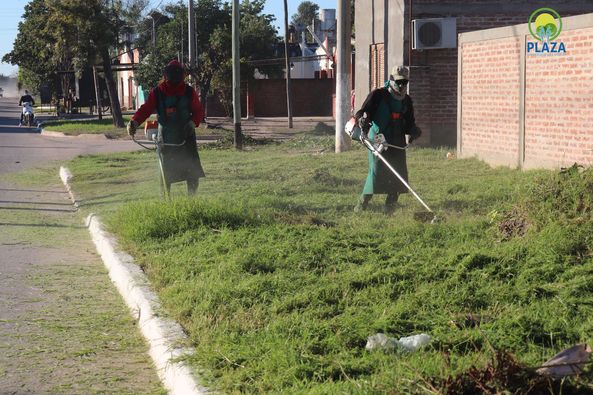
<point x="118" y="120"/>
<point x="65" y="84"/>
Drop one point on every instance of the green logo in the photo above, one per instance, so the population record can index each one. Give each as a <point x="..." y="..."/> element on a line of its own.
<point x="545" y="24"/>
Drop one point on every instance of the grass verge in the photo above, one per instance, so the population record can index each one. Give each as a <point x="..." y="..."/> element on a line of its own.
<point x="278" y="283"/>
<point x="93" y="126"/>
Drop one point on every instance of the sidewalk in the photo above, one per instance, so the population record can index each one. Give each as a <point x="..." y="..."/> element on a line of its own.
<point x="63" y="325"/>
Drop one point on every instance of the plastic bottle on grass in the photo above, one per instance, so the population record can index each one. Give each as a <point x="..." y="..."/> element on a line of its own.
<point x="413" y="343"/>
<point x="380" y="341"/>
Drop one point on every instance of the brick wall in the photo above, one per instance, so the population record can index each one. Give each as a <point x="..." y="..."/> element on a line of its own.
<point x="490" y="99"/>
<point x="439" y="66"/>
<point x="559" y="103"/>
<point x="527" y="110"/>
<point x="310" y="97"/>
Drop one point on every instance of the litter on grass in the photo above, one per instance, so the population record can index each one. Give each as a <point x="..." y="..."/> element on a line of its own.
<point x="380" y="341"/>
<point x="569" y="362"/>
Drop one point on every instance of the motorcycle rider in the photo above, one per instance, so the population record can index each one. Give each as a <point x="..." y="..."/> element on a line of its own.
<point x="26" y="98"/>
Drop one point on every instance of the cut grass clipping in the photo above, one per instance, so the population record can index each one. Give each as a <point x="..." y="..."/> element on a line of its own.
<point x="279" y="284"/>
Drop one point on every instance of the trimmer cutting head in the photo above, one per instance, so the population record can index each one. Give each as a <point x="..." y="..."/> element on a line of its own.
<point x="426" y="216"/>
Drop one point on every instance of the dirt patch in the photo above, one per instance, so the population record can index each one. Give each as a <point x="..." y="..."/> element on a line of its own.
<point x="504" y="374"/>
<point x="513" y="224"/>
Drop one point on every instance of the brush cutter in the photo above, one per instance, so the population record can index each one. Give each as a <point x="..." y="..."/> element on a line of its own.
<point x="378" y="146"/>
<point x="157" y="144"/>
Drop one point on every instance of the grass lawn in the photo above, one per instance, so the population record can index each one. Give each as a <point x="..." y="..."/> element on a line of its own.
<point x="278" y="283"/>
<point x="92" y="126"/>
<point x="105" y="126"/>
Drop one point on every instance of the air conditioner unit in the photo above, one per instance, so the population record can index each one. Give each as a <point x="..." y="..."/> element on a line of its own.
<point x="434" y="33"/>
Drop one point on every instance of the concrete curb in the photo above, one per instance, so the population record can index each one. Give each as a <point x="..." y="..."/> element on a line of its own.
<point x="49" y="133"/>
<point x="66" y="176"/>
<point x="164" y="336"/>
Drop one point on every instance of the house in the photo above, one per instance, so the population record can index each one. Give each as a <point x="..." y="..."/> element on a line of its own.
<point x="129" y="93"/>
<point x="318" y="56"/>
<point x="383" y="41"/>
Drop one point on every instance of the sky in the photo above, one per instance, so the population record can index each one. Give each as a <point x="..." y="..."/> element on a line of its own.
<point x="10" y="15"/>
<point x="11" y="12"/>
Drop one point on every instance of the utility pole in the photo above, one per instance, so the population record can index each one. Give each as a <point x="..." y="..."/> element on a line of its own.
<point x="237" y="77"/>
<point x="287" y="62"/>
<point x="191" y="38"/>
<point x="151" y="16"/>
<point x="97" y="93"/>
<point x="344" y="60"/>
<point x="153" y="33"/>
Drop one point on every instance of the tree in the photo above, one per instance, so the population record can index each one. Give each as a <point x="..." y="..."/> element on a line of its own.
<point x="213" y="31"/>
<point x="168" y="39"/>
<point x="258" y="39"/>
<point x="60" y="36"/>
<point x="170" y="22"/>
<point x="307" y="11"/>
<point x="84" y="32"/>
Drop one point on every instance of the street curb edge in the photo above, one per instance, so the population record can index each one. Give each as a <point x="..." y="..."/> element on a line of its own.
<point x="164" y="336"/>
<point x="51" y="133"/>
<point x="66" y="176"/>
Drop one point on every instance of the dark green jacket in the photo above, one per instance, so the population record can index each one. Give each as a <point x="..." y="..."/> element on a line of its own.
<point x="394" y="119"/>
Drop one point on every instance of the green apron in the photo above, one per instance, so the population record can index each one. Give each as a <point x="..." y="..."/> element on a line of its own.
<point x="388" y="120"/>
<point x="179" y="163"/>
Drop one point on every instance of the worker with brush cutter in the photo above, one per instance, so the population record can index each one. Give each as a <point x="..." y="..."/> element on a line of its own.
<point x="387" y="115"/>
<point x="179" y="113"/>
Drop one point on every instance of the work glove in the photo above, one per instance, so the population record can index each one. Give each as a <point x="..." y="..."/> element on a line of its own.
<point x="132" y="126"/>
<point x="414" y="134"/>
<point x="349" y="127"/>
<point x="364" y="123"/>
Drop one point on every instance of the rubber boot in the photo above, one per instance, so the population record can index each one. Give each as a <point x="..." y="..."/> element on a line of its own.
<point x="192" y="187"/>
<point x="391" y="203"/>
<point x="363" y="203"/>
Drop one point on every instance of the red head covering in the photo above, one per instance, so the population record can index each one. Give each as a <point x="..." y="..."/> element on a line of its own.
<point x="174" y="76"/>
<point x="175" y="63"/>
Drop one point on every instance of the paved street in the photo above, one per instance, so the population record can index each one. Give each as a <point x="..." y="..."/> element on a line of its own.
<point x="63" y="326"/>
<point x="22" y="147"/>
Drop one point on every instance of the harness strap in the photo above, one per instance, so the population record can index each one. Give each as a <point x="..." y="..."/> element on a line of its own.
<point x="162" y="110"/>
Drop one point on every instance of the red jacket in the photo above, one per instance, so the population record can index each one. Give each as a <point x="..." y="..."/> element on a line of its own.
<point x="149" y="107"/>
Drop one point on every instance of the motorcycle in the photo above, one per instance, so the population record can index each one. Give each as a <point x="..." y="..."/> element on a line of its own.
<point x="28" y="115"/>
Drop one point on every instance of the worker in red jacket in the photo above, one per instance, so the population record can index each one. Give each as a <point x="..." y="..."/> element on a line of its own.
<point x="179" y="112"/>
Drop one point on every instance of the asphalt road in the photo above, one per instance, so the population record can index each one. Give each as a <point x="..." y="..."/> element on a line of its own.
<point x="63" y="326"/>
<point x="23" y="147"/>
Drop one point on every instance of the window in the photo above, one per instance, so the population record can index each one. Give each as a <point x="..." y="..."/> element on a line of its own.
<point x="377" y="65"/>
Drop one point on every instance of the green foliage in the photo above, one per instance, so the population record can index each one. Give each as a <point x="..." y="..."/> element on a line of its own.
<point x="307" y="11"/>
<point x="214" y="43"/>
<point x="278" y="283"/>
<point x="568" y="194"/>
<point x="257" y="40"/>
<point x="66" y="35"/>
